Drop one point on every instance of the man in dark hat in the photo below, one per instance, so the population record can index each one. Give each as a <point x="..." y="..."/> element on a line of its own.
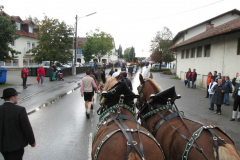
<point x="15" y="129"/>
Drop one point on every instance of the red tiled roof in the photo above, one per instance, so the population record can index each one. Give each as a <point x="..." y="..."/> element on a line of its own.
<point x="228" y="27"/>
<point x="5" y="14"/>
<point x="28" y="21"/>
<point x="23" y="33"/>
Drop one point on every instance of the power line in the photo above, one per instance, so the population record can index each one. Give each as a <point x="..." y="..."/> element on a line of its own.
<point x="186" y="11"/>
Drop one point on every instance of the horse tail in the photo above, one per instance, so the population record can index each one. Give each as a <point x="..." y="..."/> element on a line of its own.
<point x="227" y="152"/>
<point x="133" y="156"/>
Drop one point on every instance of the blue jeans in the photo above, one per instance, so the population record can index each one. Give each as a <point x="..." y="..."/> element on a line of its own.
<point x="188" y="81"/>
<point x="42" y="78"/>
<point x="211" y="104"/>
<point x="193" y="86"/>
<point x="226" y="97"/>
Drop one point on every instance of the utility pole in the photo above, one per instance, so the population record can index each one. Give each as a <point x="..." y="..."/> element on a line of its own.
<point x="75" y="56"/>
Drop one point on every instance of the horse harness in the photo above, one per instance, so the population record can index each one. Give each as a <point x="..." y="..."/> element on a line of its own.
<point x="127" y="132"/>
<point x="194" y="136"/>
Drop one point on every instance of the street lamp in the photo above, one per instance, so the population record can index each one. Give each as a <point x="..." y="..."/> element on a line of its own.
<point x="75" y="55"/>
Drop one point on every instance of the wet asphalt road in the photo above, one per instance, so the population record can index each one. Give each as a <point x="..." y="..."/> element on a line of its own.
<point x="63" y="132"/>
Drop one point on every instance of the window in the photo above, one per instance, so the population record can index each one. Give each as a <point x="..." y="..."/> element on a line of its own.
<point x="207" y="50"/>
<point x="18" y="26"/>
<point x="30" y="29"/>
<point x="182" y="54"/>
<point x="193" y="53"/>
<point x="187" y="53"/>
<point x="13" y="43"/>
<point x="238" y="47"/>
<point x="199" y="51"/>
<point x="79" y="44"/>
<point x="33" y="45"/>
<point x="28" y="44"/>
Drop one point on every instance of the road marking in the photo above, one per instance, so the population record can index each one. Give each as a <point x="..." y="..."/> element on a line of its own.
<point x="93" y="111"/>
<point x="90" y="146"/>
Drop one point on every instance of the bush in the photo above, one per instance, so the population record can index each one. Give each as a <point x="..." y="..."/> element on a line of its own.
<point x="155" y="69"/>
<point x="167" y="72"/>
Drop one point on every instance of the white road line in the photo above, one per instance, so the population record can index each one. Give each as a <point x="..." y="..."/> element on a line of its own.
<point x="90" y="146"/>
<point x="93" y="111"/>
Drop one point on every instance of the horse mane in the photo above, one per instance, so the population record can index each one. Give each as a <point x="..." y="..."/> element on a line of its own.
<point x="155" y="84"/>
<point x="110" y="82"/>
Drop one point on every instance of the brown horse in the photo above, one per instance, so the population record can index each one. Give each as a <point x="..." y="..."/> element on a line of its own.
<point x="209" y="141"/>
<point x="111" y="141"/>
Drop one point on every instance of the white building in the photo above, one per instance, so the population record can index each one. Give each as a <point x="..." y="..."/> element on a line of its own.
<point x="111" y="57"/>
<point x="27" y="41"/>
<point x="208" y="46"/>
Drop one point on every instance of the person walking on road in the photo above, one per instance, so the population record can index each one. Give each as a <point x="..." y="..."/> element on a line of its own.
<point x="95" y="66"/>
<point x="24" y="73"/>
<point x="15" y="129"/>
<point x="218" y="96"/>
<point x="54" y="71"/>
<point x="51" y="72"/>
<point x="86" y="89"/>
<point x="211" y="93"/>
<point x="127" y="81"/>
<point x="41" y="73"/>
<point x="236" y="96"/>
<point x="98" y="77"/>
<point x="104" y="67"/>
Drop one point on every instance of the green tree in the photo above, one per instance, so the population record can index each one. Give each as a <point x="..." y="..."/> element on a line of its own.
<point x="88" y="49"/>
<point x="7" y="36"/>
<point x="103" y="43"/>
<point x="159" y="46"/>
<point x="126" y="54"/>
<point x="120" y="51"/>
<point x="54" y="41"/>
<point x="132" y="52"/>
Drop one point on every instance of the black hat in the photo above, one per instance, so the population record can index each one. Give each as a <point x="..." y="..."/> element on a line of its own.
<point x="9" y="92"/>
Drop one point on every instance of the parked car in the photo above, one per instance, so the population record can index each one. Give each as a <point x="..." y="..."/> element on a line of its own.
<point x="77" y="64"/>
<point x="88" y="64"/>
<point x="157" y="65"/>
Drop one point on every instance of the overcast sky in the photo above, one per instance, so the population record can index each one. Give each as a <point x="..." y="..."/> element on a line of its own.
<point x="130" y="22"/>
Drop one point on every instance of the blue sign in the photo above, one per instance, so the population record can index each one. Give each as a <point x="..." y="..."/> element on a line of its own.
<point x="79" y="51"/>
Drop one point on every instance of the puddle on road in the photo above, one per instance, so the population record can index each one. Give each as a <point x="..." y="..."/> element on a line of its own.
<point x="54" y="100"/>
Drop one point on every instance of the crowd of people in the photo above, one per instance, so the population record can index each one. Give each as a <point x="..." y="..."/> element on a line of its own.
<point x="218" y="90"/>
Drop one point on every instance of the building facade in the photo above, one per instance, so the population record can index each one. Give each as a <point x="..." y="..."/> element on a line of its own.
<point x="27" y="41"/>
<point x="213" y="45"/>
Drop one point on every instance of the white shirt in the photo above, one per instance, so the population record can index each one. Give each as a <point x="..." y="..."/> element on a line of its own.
<point x="211" y="87"/>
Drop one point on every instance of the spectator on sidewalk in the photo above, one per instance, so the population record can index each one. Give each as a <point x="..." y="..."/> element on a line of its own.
<point x="228" y="89"/>
<point x="16" y="131"/>
<point x="208" y="81"/>
<point x="215" y="75"/>
<point x="188" y="77"/>
<point x="24" y="73"/>
<point x="211" y="93"/>
<point x="236" y="96"/>
<point x="218" y="77"/>
<point x="41" y="73"/>
<point x="54" y="71"/>
<point x="223" y="80"/>
<point x="194" y="78"/>
<point x="86" y="89"/>
<point x="218" y="96"/>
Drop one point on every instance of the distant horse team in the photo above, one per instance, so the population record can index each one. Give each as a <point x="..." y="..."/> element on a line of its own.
<point x="164" y="132"/>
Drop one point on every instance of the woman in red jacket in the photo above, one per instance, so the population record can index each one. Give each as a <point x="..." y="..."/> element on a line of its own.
<point x="41" y="73"/>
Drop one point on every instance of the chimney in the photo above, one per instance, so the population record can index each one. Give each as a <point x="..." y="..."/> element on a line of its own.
<point x="209" y="26"/>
